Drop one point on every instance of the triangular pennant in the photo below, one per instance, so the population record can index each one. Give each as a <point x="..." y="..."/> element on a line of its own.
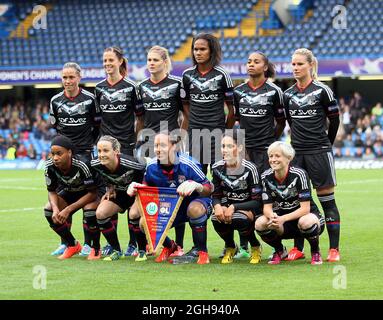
<point x="159" y="207"/>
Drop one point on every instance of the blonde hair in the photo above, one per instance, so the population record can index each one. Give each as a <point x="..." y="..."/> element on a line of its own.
<point x="310" y="59"/>
<point x="164" y="54"/>
<point x="116" y="146"/>
<point x="286" y="149"/>
<point x="74" y="66"/>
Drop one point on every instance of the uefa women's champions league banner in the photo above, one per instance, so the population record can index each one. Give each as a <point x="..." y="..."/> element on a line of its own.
<point x="237" y="70"/>
<point x="159" y="207"/>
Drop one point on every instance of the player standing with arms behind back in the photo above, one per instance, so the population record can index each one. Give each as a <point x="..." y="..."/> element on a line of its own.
<point x="207" y="88"/>
<point x="259" y="109"/>
<point x="260" y="112"/>
<point x="309" y="104"/>
<point x="120" y="104"/>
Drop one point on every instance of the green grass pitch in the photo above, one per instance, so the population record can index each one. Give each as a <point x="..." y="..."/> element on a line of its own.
<point x="27" y="240"/>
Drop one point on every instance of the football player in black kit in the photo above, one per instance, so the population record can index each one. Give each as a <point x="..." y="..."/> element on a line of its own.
<point x="259" y="109"/>
<point x="71" y="186"/>
<point x="118" y="170"/>
<point x="207" y="88"/>
<point x="286" y="205"/>
<point x="120" y="104"/>
<point x="73" y="113"/>
<point x="162" y="101"/>
<point x="310" y="104"/>
<point x="260" y="112"/>
<point x="236" y="197"/>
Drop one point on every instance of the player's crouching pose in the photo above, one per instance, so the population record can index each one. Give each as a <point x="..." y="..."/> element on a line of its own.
<point x="71" y="186"/>
<point x="236" y="198"/>
<point x="171" y="169"/>
<point x="118" y="171"/>
<point x="286" y="197"/>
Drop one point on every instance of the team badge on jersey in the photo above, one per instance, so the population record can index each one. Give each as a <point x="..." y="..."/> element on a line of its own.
<point x="213" y="85"/>
<point x="263" y="101"/>
<point x="121" y="96"/>
<point x="81" y="108"/>
<point x="165" y="94"/>
<point x="181" y="179"/>
<point x="48" y="181"/>
<point x="311" y="100"/>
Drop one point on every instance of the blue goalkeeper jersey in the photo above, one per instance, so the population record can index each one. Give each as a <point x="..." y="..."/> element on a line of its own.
<point x="186" y="168"/>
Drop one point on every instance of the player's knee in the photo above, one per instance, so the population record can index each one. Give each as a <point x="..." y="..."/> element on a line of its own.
<point x="261" y="223"/>
<point x="307" y="221"/>
<point x="91" y="206"/>
<point x="48" y="207"/>
<point x="134" y="213"/>
<point x="195" y="210"/>
<point x="101" y="213"/>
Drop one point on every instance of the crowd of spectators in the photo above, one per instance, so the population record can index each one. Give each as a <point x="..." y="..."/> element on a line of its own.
<point x="360" y="134"/>
<point x="361" y="131"/>
<point x="21" y="124"/>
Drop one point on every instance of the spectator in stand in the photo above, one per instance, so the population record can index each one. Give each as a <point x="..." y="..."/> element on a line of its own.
<point x="32" y="154"/>
<point x="338" y="143"/>
<point x="377" y="110"/>
<point x="378" y="148"/>
<point x="347" y="153"/>
<point x="358" y="106"/>
<point x="348" y="143"/>
<point x="338" y="152"/>
<point x="11" y="153"/>
<point x="3" y="147"/>
<point x="21" y="152"/>
<point x="368" y="154"/>
<point x="346" y="119"/>
<point x="358" y="141"/>
<point x="359" y="152"/>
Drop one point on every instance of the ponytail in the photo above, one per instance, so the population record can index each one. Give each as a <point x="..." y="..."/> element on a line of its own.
<point x="120" y="55"/>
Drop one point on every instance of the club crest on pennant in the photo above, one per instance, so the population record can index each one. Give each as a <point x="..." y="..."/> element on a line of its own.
<point x="159" y="207"/>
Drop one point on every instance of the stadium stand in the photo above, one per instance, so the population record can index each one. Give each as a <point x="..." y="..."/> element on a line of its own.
<point x="135" y="26"/>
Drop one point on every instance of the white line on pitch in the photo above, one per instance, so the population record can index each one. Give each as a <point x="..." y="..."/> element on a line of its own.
<point x="360" y="181"/>
<point x="21" y="188"/>
<point x="19" y="179"/>
<point x="19" y="209"/>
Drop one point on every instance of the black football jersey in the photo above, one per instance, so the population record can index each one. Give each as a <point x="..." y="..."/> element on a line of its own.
<point x="76" y="118"/>
<point x="236" y="187"/>
<point x="206" y="94"/>
<point x="257" y="109"/>
<point x="128" y="171"/>
<point x="162" y="102"/>
<point x="119" y="104"/>
<point x="79" y="178"/>
<point x="307" y="111"/>
<point x="286" y="195"/>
